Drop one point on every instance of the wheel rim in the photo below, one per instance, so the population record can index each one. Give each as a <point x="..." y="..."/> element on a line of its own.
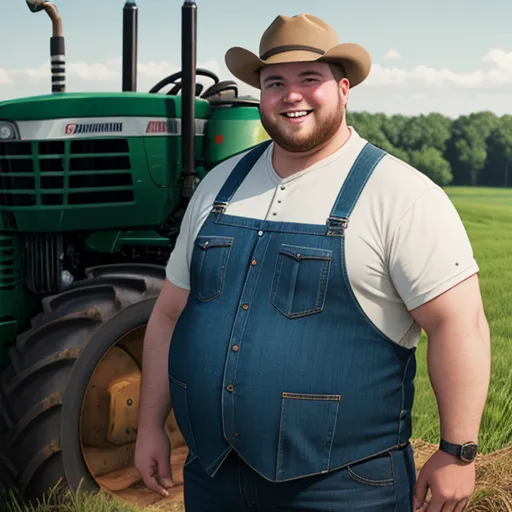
<point x="108" y="425"/>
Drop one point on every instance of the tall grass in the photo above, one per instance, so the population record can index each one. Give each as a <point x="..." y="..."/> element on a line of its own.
<point x="487" y="215"/>
<point x="64" y="500"/>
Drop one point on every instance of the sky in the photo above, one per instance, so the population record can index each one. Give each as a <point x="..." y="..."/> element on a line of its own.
<point x="447" y="56"/>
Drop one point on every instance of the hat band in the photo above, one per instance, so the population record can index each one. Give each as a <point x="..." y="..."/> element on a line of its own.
<point x="290" y="48"/>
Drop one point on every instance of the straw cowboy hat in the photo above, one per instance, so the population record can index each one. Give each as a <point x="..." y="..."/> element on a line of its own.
<point x="301" y="38"/>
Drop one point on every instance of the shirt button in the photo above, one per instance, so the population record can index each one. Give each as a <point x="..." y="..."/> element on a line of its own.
<point x="235" y="348"/>
<point x="283" y="187"/>
<point x="245" y="307"/>
<point x="230" y="387"/>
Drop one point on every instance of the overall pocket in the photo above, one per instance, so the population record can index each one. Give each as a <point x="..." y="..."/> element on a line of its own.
<point x="208" y="266"/>
<point x="306" y="432"/>
<point x="375" y="472"/>
<point x="179" y="402"/>
<point x="300" y="280"/>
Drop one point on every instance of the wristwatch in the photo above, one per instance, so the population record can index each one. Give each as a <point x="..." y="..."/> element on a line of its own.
<point x="465" y="452"/>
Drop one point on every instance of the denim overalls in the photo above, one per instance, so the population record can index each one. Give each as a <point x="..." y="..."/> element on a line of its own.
<point x="273" y="357"/>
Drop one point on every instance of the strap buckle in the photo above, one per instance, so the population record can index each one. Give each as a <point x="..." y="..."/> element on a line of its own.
<point x="336" y="226"/>
<point x="219" y="207"/>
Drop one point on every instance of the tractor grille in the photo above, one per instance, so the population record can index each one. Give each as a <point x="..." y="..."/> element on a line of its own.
<point x="59" y="173"/>
<point x="9" y="264"/>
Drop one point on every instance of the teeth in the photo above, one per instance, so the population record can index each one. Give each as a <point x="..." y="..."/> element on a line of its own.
<point x="296" y="114"/>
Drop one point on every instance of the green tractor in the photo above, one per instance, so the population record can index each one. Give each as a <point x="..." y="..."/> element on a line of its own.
<point x="93" y="188"/>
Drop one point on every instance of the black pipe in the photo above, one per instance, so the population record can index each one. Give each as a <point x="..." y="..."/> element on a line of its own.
<point x="188" y="66"/>
<point x="58" y="60"/>
<point x="130" y="43"/>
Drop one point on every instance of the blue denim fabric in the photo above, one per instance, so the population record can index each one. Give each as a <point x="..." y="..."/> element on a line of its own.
<point x="273" y="357"/>
<point x="383" y="484"/>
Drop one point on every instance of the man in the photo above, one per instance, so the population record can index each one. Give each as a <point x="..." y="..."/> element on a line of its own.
<point x="302" y="276"/>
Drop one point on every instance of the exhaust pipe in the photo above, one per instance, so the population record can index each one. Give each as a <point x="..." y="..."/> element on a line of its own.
<point x="57" y="46"/>
<point x="188" y="66"/>
<point x="130" y="44"/>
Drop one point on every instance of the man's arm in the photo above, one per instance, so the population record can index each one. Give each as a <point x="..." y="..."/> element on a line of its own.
<point x="459" y="360"/>
<point x="155" y="403"/>
<point x="153" y="450"/>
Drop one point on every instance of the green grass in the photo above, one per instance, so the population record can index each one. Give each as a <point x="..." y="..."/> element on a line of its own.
<point x="66" y="501"/>
<point x="487" y="215"/>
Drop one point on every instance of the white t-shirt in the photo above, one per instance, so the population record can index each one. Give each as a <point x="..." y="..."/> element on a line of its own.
<point x="405" y="243"/>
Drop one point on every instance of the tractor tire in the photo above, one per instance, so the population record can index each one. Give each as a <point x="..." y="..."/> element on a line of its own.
<point x="69" y="399"/>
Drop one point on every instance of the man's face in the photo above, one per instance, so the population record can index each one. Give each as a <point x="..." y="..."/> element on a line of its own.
<point x="302" y="106"/>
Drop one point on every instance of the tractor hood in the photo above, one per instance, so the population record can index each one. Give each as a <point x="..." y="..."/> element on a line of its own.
<point x="56" y="116"/>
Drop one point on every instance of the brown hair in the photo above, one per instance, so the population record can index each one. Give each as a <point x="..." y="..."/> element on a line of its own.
<point x="337" y="70"/>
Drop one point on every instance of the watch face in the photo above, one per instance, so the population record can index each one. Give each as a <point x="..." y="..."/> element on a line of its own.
<point x="469" y="451"/>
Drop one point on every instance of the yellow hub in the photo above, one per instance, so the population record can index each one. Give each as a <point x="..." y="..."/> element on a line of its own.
<point x="109" y="422"/>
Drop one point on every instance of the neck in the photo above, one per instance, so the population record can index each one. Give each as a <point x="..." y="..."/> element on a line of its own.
<point x="286" y="163"/>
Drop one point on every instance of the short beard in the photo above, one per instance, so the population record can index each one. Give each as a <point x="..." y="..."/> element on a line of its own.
<point x="298" y="144"/>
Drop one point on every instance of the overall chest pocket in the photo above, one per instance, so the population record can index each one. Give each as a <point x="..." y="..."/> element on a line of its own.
<point x="301" y="276"/>
<point x="208" y="266"/>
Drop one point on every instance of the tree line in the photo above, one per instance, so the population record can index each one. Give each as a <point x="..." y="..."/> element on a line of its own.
<point x="471" y="150"/>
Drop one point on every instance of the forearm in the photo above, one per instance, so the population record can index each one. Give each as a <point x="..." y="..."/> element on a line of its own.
<point x="459" y="368"/>
<point x="155" y="401"/>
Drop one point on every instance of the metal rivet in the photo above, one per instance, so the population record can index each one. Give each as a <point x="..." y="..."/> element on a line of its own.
<point x="235" y="348"/>
<point x="245" y="306"/>
<point x="235" y="434"/>
<point x="260" y="233"/>
<point x="230" y="387"/>
<point x="129" y="401"/>
<point x="253" y="262"/>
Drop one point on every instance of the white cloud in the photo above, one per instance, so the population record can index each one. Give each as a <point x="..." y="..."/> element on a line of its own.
<point x="487" y="86"/>
<point x="105" y="76"/>
<point x="392" y="54"/>
<point x="496" y="74"/>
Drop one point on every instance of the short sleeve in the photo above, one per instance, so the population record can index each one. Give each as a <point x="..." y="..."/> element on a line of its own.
<point x="430" y="251"/>
<point x="177" y="269"/>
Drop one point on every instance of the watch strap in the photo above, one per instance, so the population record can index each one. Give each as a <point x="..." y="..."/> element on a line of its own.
<point x="451" y="448"/>
<point x="465" y="452"/>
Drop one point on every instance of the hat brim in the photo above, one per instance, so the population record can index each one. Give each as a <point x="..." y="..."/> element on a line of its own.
<point x="356" y="61"/>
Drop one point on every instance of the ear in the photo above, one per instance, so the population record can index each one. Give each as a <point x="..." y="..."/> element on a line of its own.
<point x="344" y="86"/>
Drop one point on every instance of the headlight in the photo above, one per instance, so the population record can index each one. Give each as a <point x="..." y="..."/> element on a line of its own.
<point x="7" y="131"/>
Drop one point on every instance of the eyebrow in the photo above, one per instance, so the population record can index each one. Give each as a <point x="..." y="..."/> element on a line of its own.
<point x="303" y="74"/>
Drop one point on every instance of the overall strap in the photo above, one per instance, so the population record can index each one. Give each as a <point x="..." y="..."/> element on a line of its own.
<point x="237" y="176"/>
<point x="349" y="194"/>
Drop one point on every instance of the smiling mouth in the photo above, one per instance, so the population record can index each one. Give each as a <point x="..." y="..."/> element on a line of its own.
<point x="297" y="114"/>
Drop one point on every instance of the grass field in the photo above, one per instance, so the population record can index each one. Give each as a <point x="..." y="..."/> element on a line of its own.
<point x="487" y="215"/>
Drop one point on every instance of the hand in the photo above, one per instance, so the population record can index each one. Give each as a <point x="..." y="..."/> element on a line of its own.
<point x="451" y="482"/>
<point x="153" y="459"/>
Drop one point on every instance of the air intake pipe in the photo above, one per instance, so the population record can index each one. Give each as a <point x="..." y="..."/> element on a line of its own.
<point x="57" y="46"/>
<point x="188" y="66"/>
<point x="130" y="44"/>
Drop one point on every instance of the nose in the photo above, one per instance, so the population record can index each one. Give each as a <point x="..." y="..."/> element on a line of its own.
<point x="292" y="95"/>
